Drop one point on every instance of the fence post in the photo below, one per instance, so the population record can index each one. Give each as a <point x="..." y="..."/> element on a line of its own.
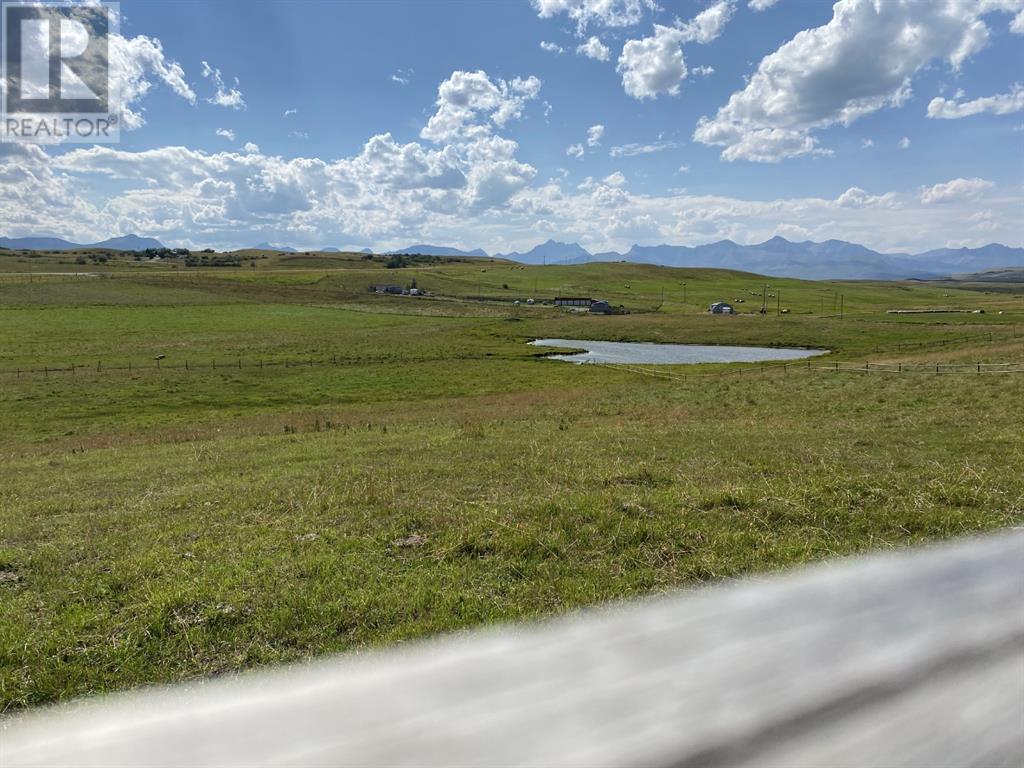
<point x="186" y="365"/>
<point x="979" y="367"/>
<point x="239" y="362"/>
<point x="129" y="366"/>
<point x="901" y="368"/>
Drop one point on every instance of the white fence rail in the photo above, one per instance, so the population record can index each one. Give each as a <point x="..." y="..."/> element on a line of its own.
<point x="913" y="658"/>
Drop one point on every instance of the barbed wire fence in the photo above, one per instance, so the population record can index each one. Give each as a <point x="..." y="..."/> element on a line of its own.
<point x="161" y="363"/>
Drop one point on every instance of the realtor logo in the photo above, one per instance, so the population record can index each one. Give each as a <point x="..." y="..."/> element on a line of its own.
<point x="56" y="73"/>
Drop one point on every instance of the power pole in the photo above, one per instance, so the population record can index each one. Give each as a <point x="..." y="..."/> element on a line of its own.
<point x="764" y="299"/>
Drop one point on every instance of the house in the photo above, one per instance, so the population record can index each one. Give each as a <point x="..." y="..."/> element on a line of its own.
<point x="721" y="308"/>
<point x="601" y="307"/>
<point x="572" y="301"/>
<point x="387" y="289"/>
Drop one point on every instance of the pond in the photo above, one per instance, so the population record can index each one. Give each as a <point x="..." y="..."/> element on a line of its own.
<point x="622" y="352"/>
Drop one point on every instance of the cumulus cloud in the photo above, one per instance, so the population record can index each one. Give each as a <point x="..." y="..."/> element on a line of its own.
<point x="476" y="193"/>
<point x="761" y="5"/>
<point x="594" y="49"/>
<point x="594" y="134"/>
<point x="956" y="190"/>
<point x="822" y="77"/>
<point x="905" y="143"/>
<point x="1000" y="104"/>
<point x="855" y="197"/>
<point x="227" y="133"/>
<point x="709" y="23"/>
<point x="702" y="71"/>
<point x="575" y="150"/>
<point x="467" y="99"/>
<point x="655" y="65"/>
<point x="867" y="143"/>
<point x="551" y="47"/>
<point x="605" y="13"/>
<point x="224" y="96"/>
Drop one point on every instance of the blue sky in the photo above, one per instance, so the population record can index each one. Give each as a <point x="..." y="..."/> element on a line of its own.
<point x="893" y="123"/>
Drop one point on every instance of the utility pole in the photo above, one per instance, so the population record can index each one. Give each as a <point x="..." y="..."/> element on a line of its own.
<point x="778" y="302"/>
<point x="842" y="299"/>
<point x="764" y="299"/>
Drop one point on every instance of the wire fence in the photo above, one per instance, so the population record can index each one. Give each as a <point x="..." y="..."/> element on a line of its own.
<point x="977" y="369"/>
<point x="161" y="363"/>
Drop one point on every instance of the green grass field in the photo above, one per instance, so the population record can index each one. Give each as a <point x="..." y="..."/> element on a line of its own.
<point x="430" y="471"/>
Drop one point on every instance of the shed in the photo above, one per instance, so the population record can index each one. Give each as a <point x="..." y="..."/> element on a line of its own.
<point x="601" y="307"/>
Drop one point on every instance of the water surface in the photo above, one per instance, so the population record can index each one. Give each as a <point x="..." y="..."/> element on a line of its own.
<point x="621" y="352"/>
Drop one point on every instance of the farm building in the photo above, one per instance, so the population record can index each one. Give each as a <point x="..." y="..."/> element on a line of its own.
<point x="387" y="289"/>
<point x="721" y="308"/>
<point x="601" y="307"/>
<point x="572" y="301"/>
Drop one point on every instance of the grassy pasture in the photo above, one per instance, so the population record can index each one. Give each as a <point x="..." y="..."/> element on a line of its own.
<point x="438" y="473"/>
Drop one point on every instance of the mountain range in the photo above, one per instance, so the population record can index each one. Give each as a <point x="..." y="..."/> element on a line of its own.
<point x="830" y="260"/>
<point x="126" y="243"/>
<point x="438" y="250"/>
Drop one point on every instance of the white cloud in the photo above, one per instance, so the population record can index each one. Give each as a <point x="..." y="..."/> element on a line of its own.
<point x="134" y="62"/>
<point x="615" y="179"/>
<point x="709" y="23"/>
<point x="1000" y="104"/>
<point x="594" y="49"/>
<point x="594" y="134"/>
<point x="703" y="70"/>
<point x="466" y="97"/>
<point x="402" y="76"/>
<point x="224" y="96"/>
<point x="761" y="5"/>
<point x="290" y="112"/>
<point x="867" y="143"/>
<point x="575" y="150"/>
<point x="855" y="197"/>
<point x="607" y="13"/>
<point x="654" y="65"/>
<point x="683" y="169"/>
<point x="822" y="77"/>
<point x="956" y="190"/>
<point x="905" y="142"/>
<point x="551" y="47"/>
<point x="227" y="133"/>
<point x="299" y="135"/>
<point x="629" y="150"/>
<point x="469" y="193"/>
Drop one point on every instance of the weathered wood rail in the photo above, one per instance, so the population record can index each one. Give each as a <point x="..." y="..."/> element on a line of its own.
<point x="912" y="658"/>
